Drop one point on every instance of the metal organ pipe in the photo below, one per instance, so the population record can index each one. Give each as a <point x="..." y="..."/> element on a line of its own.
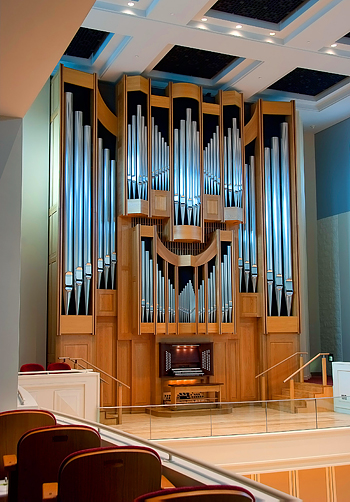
<point x="277" y="231"/>
<point x="211" y="167"/>
<point x="268" y="226"/>
<point x="87" y="216"/>
<point x="233" y="167"/>
<point x="99" y="212"/>
<point x="113" y="221"/>
<point x="287" y="238"/>
<point x="186" y="172"/>
<point x="137" y="155"/>
<point x="68" y="203"/>
<point x="226" y="286"/>
<point x="106" y="214"/>
<point x="247" y="240"/>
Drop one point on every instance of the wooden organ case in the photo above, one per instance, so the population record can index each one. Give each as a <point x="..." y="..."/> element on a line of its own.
<point x="162" y="225"/>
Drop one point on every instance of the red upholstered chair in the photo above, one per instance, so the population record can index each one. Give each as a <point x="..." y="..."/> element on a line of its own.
<point x="58" y="366"/>
<point x="13" y="424"/>
<point x="40" y="453"/>
<point x="32" y="367"/>
<point x="209" y="493"/>
<point x="112" y="474"/>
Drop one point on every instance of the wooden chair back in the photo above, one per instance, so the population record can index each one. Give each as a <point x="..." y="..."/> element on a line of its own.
<point x="207" y="493"/>
<point x="13" y="424"/>
<point x="40" y="453"/>
<point x="117" y="474"/>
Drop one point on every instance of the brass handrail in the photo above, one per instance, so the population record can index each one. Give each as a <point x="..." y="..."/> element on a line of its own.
<point x="306" y="364"/>
<point x="274" y="366"/>
<point x="75" y="361"/>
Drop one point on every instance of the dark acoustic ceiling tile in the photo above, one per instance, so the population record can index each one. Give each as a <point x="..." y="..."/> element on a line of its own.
<point x="272" y="11"/>
<point x="309" y="82"/>
<point x="85" y="43"/>
<point x="194" y="62"/>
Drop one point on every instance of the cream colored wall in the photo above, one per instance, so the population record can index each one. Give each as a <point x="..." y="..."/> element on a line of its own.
<point x="10" y="232"/>
<point x="34" y="231"/>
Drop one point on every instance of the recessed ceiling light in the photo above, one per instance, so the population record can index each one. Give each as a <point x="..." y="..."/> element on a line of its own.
<point x="238" y="26"/>
<point x="131" y="4"/>
<point x="204" y="19"/>
<point x="272" y="33"/>
<point x="334" y="45"/>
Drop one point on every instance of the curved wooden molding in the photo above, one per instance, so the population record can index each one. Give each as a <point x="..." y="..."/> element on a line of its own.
<point x="77" y="77"/>
<point x="187" y="260"/>
<point x="252" y="128"/>
<point x="232" y="98"/>
<point x="187" y="233"/>
<point x="105" y="116"/>
<point x="277" y="107"/>
<point x="183" y="90"/>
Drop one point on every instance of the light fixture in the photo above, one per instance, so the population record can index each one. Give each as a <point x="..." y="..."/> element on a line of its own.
<point x="334" y="45"/>
<point x="238" y="26"/>
<point x="272" y="33"/>
<point x="204" y="19"/>
<point x="131" y="4"/>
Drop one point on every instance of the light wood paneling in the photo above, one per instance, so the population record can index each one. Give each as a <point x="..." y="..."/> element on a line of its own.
<point x="277" y="107"/>
<point x="77" y="77"/>
<point x="106" y="302"/>
<point x="341" y="476"/>
<point x="184" y="90"/>
<point x="278" y="348"/>
<point x="212" y="206"/>
<point x="106" y="358"/>
<point x="248" y="359"/>
<point x="219" y="351"/>
<point x="211" y="108"/>
<point x="187" y="233"/>
<point x="160" y="101"/>
<point x="72" y="324"/>
<point x="76" y="346"/>
<point x="124" y="368"/>
<point x="137" y="83"/>
<point x="160" y="204"/>
<point x="233" y="371"/>
<point x="283" y="324"/>
<point x="250" y="304"/>
<point x="282" y="480"/>
<point x="141" y="378"/>
<point x="105" y="116"/>
<point x="137" y="207"/>
<point x="312" y="485"/>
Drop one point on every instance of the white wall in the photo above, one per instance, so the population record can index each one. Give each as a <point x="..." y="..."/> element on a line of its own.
<point x="34" y="231"/>
<point x="10" y="237"/>
<point x="311" y="243"/>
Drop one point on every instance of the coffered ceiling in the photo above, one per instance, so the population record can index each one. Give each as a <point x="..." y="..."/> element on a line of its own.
<point x="261" y="48"/>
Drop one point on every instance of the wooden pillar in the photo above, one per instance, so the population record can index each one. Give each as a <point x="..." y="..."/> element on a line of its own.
<point x="324" y="371"/>
<point x="291" y="389"/>
<point x="301" y="362"/>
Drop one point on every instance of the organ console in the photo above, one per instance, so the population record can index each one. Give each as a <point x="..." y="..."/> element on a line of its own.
<point x="173" y="220"/>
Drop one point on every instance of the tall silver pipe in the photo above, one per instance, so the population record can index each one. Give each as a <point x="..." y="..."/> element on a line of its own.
<point x="113" y="221"/>
<point x="240" y="255"/>
<point x="252" y="226"/>
<point x="68" y="204"/>
<point x="151" y="290"/>
<point x="133" y="157"/>
<point x="147" y="286"/>
<point x="268" y="225"/>
<point x="214" y="294"/>
<point x="182" y="169"/>
<point x="143" y="281"/>
<point x="106" y="215"/>
<point x="286" y="219"/>
<point x="277" y="232"/>
<point x="246" y="233"/>
<point x="230" y="154"/>
<point x="138" y="152"/>
<point x="78" y="207"/>
<point x="230" y="295"/>
<point x="87" y="216"/>
<point x="129" y="163"/>
<point x="176" y="175"/>
<point x="217" y="151"/>
<point x="153" y="159"/>
<point x="225" y="172"/>
<point x="99" y="212"/>
<point x="188" y="164"/>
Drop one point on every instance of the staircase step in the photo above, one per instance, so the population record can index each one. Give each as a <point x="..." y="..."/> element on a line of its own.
<point x="309" y="387"/>
<point x="299" y="393"/>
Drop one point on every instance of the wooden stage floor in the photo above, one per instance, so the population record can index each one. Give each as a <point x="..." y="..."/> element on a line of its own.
<point x="244" y="419"/>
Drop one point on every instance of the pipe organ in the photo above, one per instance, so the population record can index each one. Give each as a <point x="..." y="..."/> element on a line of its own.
<point x="172" y="220"/>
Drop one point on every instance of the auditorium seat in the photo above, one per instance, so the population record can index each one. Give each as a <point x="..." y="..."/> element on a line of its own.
<point x="58" y="366"/>
<point x="31" y="367"/>
<point x="40" y="453"/>
<point x="13" y="424"/>
<point x="209" y="493"/>
<point x="112" y="474"/>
